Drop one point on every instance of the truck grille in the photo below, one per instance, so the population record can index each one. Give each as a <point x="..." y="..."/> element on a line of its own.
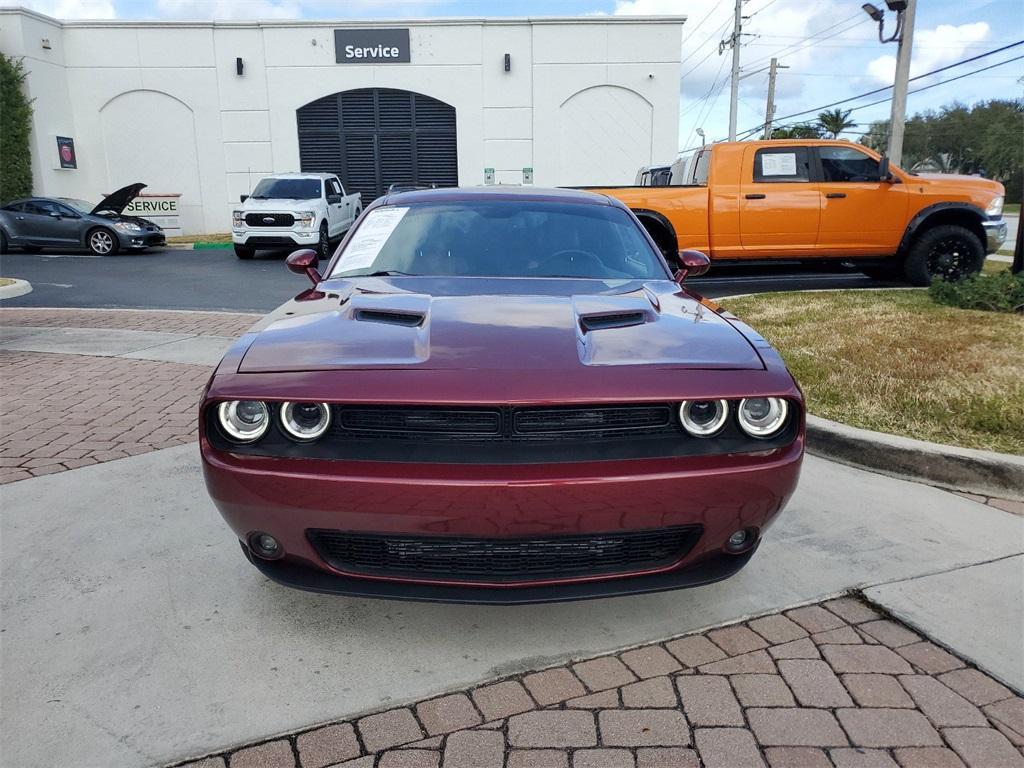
<point x="269" y="219"/>
<point x="503" y="559"/>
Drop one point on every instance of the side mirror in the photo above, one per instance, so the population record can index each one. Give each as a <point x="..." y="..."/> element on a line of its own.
<point x="242" y="198"/>
<point x="56" y="215"/>
<point x="334" y="199"/>
<point x="884" y="174"/>
<point x="305" y="262"/>
<point x="694" y="263"/>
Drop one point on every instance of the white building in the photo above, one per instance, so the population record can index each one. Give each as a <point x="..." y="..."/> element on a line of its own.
<point x="205" y="109"/>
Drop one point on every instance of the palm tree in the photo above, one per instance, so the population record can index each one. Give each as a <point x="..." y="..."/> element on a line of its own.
<point x="835" y="121"/>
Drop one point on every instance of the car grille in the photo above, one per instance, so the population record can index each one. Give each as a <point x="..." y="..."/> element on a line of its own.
<point x="503" y="559"/>
<point x="502" y="424"/>
<point x="269" y="219"/>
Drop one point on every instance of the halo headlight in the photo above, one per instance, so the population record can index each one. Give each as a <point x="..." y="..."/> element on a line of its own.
<point x="703" y="418"/>
<point x="305" y="421"/>
<point x="763" y="417"/>
<point x="243" y="420"/>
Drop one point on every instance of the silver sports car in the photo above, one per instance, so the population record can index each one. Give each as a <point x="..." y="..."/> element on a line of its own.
<point x="34" y="223"/>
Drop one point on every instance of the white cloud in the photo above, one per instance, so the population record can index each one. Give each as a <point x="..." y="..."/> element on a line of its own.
<point x="74" y="9"/>
<point x="933" y="48"/>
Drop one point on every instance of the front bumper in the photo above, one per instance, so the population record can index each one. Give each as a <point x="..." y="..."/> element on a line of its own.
<point x="288" y="497"/>
<point x="275" y="238"/>
<point x="131" y="240"/>
<point x="995" y="234"/>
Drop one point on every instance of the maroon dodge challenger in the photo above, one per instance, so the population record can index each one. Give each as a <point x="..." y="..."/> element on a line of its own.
<point x="500" y="395"/>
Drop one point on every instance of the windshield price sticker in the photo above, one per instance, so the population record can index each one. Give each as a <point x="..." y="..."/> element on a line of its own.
<point x="781" y="164"/>
<point x="369" y="239"/>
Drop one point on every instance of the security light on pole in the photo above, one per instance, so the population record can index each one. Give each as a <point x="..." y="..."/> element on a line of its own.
<point x="903" y="34"/>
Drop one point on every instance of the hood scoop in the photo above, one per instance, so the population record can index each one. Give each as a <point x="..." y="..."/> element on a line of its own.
<point x="404" y="319"/>
<point x="611" y="320"/>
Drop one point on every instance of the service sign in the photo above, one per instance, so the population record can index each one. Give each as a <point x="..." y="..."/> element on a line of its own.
<point x="371" y="46"/>
<point x="160" y="209"/>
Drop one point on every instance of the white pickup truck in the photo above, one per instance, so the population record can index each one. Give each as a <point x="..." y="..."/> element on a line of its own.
<point x="304" y="210"/>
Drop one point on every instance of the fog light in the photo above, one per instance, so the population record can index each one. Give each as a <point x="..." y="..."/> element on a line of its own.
<point x="266" y="546"/>
<point x="741" y="540"/>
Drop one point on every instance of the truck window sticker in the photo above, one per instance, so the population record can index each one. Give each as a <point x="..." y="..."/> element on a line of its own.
<point x="778" y="164"/>
<point x="368" y="241"/>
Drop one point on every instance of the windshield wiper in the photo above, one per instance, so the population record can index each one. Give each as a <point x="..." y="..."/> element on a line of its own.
<point x="387" y="273"/>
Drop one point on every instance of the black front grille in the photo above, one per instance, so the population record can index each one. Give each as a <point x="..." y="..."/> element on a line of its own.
<point x="503" y="424"/>
<point x="415" y="422"/>
<point x="258" y="219"/>
<point x="503" y="559"/>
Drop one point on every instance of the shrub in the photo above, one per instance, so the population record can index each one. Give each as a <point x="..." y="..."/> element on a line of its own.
<point x="15" y="127"/>
<point x="1000" y="292"/>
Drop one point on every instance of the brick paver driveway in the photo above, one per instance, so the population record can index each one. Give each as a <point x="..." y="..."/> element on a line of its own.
<point x="60" y="412"/>
<point x="835" y="684"/>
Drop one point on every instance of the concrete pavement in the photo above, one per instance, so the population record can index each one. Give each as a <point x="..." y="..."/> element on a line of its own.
<point x="195" y="349"/>
<point x="135" y="632"/>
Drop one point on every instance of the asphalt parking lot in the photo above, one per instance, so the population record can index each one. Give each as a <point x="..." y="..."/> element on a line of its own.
<point x="214" y="279"/>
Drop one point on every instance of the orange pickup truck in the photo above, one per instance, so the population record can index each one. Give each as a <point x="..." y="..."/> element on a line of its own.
<point x="810" y="200"/>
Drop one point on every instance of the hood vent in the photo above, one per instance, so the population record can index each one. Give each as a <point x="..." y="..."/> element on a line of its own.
<point x="612" y="320"/>
<point x="406" y="319"/>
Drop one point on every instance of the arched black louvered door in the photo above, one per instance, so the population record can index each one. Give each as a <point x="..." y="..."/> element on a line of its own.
<point x="374" y="137"/>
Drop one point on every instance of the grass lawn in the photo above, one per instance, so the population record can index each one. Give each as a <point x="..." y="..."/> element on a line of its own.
<point x="1011" y="208"/>
<point x="893" y="361"/>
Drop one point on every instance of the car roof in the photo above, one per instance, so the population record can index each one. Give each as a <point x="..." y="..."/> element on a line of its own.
<point x="496" y="192"/>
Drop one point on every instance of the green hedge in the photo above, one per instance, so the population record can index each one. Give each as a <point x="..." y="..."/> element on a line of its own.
<point x="15" y="127"/>
<point x="1000" y="292"/>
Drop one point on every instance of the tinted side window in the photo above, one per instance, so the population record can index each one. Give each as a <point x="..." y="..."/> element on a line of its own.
<point x="13" y="207"/>
<point x="40" y="207"/>
<point x="847" y="164"/>
<point x="780" y="164"/>
<point x="335" y="187"/>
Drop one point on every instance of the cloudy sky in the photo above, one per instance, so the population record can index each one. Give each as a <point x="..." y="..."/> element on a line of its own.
<point x="830" y="47"/>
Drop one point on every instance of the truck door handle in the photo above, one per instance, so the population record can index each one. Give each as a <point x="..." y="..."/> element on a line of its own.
<point x="835" y="195"/>
<point x="755" y="196"/>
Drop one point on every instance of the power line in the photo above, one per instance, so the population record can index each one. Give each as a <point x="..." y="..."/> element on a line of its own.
<point x="889" y="87"/>
<point x="810" y="40"/>
<point x="915" y="90"/>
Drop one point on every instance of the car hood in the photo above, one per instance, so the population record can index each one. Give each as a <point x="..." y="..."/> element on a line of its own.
<point x="959" y="181"/>
<point x="119" y="200"/>
<point x="495" y="324"/>
<point x="276" y="204"/>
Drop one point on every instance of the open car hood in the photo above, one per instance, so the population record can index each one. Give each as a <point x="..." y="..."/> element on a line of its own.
<point x="117" y="201"/>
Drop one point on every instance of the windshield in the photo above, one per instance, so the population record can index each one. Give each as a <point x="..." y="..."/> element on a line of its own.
<point x="79" y="205"/>
<point x="500" y="238"/>
<point x="287" y="189"/>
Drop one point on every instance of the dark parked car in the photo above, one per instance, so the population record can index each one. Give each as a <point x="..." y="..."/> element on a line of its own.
<point x="35" y="223"/>
<point x="500" y="395"/>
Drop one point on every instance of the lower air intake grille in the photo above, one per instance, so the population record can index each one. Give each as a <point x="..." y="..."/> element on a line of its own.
<point x="503" y="559"/>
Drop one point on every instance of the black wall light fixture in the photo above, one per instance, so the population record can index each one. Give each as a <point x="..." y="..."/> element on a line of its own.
<point x="239" y="66"/>
<point x="508" y="62"/>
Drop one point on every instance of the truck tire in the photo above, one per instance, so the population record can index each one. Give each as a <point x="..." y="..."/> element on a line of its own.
<point x="323" y="246"/>
<point x="244" y="252"/>
<point x="948" y="251"/>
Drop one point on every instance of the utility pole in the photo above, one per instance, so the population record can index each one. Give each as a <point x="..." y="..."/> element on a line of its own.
<point x="734" y="85"/>
<point x="769" y="110"/>
<point x="899" y="89"/>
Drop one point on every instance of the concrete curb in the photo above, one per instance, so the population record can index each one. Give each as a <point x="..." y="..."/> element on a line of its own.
<point x="959" y="469"/>
<point x="20" y="288"/>
<point x="200" y="246"/>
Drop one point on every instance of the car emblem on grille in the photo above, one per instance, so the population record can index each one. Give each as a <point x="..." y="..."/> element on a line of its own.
<point x="268" y="219"/>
